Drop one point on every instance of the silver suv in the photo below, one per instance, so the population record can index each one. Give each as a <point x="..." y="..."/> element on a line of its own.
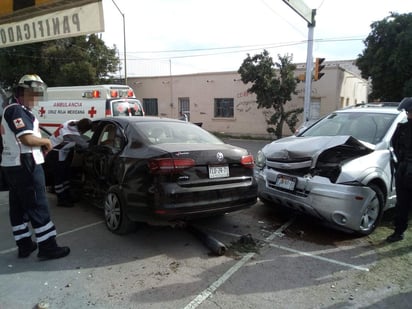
<point x="339" y="169"/>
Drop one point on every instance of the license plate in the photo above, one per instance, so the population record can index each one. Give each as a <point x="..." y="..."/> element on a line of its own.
<point x="218" y="171"/>
<point x="286" y="182"/>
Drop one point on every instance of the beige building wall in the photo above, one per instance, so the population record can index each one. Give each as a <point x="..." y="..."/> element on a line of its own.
<point x="336" y="89"/>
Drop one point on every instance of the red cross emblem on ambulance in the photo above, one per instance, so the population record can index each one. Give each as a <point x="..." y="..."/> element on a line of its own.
<point x="42" y="111"/>
<point x="92" y="112"/>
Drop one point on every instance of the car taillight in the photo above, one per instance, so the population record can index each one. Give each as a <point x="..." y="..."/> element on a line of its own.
<point x="247" y="161"/>
<point x="168" y="166"/>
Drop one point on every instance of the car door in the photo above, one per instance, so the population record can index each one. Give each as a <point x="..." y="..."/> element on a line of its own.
<point x="107" y="143"/>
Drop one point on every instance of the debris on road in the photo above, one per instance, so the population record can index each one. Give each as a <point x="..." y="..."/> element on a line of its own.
<point x="217" y="247"/>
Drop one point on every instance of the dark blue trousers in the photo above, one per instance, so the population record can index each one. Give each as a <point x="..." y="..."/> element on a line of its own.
<point x="28" y="201"/>
<point x="403" y="206"/>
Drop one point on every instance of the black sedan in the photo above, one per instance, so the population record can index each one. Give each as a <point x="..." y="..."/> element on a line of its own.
<point x="149" y="169"/>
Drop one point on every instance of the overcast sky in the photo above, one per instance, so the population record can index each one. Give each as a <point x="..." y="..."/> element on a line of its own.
<point x="195" y="36"/>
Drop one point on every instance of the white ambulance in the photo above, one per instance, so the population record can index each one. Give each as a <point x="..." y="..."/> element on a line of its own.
<point x="76" y="102"/>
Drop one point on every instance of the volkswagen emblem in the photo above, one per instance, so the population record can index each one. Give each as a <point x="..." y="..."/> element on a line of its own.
<point x="220" y="156"/>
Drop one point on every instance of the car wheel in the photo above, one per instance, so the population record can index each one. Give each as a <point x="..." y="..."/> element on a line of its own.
<point x="372" y="214"/>
<point x="115" y="214"/>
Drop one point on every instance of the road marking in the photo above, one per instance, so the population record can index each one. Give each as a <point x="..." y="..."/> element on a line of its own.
<point x="80" y="228"/>
<point x="199" y="299"/>
<point x="215" y="285"/>
<point x="279" y="231"/>
<point x="60" y="234"/>
<point x="320" y="257"/>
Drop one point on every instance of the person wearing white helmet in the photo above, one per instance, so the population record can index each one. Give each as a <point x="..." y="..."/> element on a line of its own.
<point x="402" y="147"/>
<point x="22" y="157"/>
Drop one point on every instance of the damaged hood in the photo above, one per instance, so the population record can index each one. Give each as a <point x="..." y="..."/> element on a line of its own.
<point x="291" y="148"/>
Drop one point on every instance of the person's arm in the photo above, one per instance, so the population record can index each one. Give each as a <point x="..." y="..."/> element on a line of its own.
<point x="395" y="141"/>
<point x="81" y="143"/>
<point x="34" y="141"/>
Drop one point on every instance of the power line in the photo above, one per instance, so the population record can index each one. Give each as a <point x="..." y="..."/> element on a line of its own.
<point x="232" y="49"/>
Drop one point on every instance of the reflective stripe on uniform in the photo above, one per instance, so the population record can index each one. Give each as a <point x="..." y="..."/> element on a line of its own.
<point x="45" y="232"/>
<point x="21" y="231"/>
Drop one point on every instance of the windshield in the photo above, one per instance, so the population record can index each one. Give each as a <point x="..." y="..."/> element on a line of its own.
<point x="368" y="127"/>
<point x="127" y="108"/>
<point x="175" y="133"/>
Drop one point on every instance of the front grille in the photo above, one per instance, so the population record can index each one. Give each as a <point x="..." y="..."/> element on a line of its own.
<point x="295" y="166"/>
<point x="294" y="172"/>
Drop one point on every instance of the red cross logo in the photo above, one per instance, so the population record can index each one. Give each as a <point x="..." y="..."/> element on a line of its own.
<point x="92" y="112"/>
<point x="42" y="111"/>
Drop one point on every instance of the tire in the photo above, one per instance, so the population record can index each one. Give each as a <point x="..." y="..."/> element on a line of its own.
<point x="115" y="214"/>
<point x="372" y="214"/>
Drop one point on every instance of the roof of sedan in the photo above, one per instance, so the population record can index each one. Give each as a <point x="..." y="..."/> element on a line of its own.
<point x="129" y="119"/>
<point x="386" y="107"/>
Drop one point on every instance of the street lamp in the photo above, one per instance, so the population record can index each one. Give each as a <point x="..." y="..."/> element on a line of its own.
<point x="124" y="43"/>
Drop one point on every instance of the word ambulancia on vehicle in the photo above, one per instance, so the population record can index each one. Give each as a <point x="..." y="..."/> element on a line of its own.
<point x="61" y="104"/>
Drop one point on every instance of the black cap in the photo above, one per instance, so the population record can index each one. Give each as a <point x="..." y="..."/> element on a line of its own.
<point x="84" y="125"/>
<point x="405" y="104"/>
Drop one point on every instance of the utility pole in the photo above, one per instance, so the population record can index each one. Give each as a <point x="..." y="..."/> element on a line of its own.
<point x="124" y="42"/>
<point x="309" y="15"/>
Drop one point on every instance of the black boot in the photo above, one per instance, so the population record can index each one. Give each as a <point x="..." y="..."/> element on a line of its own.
<point x="396" y="236"/>
<point x="26" y="247"/>
<point x="50" y="250"/>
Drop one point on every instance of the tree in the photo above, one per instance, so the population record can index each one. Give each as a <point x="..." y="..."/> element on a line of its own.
<point x="273" y="84"/>
<point x="387" y="58"/>
<point x="82" y="60"/>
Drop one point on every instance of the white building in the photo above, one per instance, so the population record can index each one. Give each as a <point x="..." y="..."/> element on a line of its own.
<point x="221" y="102"/>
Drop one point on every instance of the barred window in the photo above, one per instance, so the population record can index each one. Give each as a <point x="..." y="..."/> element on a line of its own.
<point x="184" y="108"/>
<point x="150" y="107"/>
<point x="224" y="107"/>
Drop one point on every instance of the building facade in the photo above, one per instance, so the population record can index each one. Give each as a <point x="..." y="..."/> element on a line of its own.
<point x="221" y="102"/>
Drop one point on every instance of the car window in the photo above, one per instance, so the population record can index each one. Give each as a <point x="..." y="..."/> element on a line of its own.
<point x="127" y="108"/>
<point x="175" y="132"/>
<point x="368" y="127"/>
<point x="110" y="136"/>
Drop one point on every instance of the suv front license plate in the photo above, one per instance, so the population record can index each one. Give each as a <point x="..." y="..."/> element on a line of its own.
<point x="286" y="182"/>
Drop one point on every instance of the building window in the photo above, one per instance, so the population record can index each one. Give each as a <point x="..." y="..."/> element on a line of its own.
<point x="150" y="107"/>
<point x="224" y="107"/>
<point x="184" y="108"/>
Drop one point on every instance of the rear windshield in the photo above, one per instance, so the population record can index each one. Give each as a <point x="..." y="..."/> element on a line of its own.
<point x="127" y="108"/>
<point x="368" y="127"/>
<point x="175" y="133"/>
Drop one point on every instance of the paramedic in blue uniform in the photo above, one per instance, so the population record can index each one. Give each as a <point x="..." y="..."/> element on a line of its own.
<point x="67" y="137"/>
<point x="21" y="162"/>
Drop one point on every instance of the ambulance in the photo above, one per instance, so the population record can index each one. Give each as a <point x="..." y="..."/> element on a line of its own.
<point x="76" y="102"/>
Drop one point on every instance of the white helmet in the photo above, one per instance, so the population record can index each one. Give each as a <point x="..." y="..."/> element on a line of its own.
<point x="32" y="81"/>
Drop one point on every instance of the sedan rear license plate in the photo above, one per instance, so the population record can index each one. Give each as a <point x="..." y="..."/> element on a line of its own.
<point x="218" y="171"/>
<point x="286" y="182"/>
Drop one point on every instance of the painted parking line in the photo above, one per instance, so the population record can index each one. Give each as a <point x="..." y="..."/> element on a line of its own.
<point x="199" y="299"/>
<point x="61" y="234"/>
<point x="215" y="285"/>
<point x="332" y="261"/>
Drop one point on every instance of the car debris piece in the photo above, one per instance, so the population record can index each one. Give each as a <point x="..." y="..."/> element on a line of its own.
<point x="212" y="243"/>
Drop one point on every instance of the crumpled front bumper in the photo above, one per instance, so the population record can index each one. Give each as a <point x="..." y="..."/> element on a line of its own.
<point x="339" y="204"/>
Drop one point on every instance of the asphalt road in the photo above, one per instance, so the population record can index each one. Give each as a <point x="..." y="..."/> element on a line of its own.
<point x="274" y="259"/>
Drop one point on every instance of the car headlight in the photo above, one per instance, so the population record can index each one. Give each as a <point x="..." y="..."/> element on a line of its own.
<point x="260" y="159"/>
